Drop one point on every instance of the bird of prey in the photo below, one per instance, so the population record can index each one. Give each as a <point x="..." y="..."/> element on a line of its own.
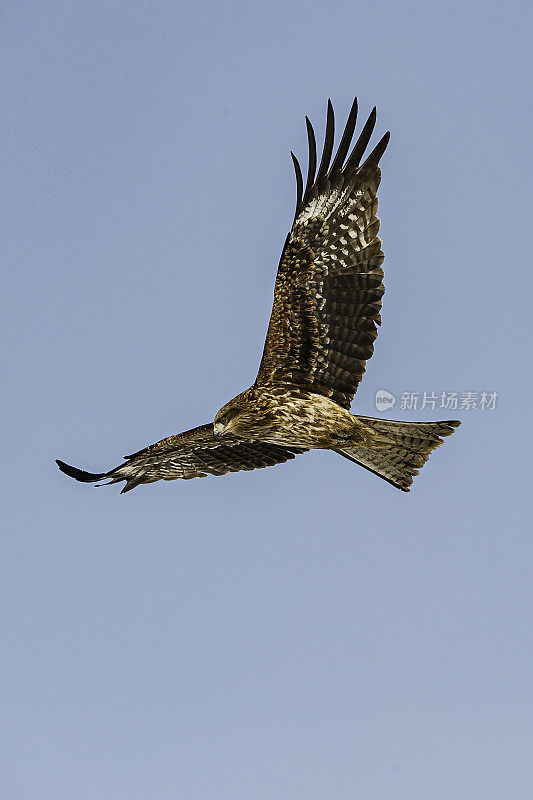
<point x="327" y="304"/>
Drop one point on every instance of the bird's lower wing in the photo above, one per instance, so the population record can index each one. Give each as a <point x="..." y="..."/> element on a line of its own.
<point x="192" y="454"/>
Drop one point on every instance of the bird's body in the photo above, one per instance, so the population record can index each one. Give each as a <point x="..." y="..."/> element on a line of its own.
<point x="326" y="309"/>
<point x="287" y="415"/>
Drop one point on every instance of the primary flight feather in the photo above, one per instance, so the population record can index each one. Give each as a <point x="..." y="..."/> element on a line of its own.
<point x="327" y="304"/>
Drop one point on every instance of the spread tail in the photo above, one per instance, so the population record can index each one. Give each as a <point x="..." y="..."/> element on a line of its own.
<point x="400" y="448"/>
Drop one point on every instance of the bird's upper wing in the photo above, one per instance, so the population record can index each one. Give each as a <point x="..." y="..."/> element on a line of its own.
<point x="192" y="454"/>
<point x="327" y="297"/>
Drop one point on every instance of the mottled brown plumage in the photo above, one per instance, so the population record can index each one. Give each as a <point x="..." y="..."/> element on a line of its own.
<point x="327" y="305"/>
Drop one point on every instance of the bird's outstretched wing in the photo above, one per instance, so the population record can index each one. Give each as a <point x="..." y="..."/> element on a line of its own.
<point x="192" y="454"/>
<point x="327" y="297"/>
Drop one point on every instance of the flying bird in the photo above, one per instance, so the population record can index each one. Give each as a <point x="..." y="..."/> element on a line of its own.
<point x="326" y="310"/>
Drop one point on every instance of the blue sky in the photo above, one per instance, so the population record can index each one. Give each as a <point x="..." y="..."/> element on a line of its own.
<point x="305" y="631"/>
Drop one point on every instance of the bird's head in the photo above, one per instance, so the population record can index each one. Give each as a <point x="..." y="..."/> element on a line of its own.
<point x="245" y="417"/>
<point x="225" y="421"/>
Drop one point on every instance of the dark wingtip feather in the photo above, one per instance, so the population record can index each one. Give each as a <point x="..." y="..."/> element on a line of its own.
<point x="299" y="183"/>
<point x="311" y="168"/>
<point x="79" y="474"/>
<point x="328" y="143"/>
<point x="378" y="150"/>
<point x="338" y="165"/>
<point x="347" y="135"/>
<point x="362" y="142"/>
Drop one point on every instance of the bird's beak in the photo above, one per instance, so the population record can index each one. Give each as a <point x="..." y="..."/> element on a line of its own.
<point x="218" y="430"/>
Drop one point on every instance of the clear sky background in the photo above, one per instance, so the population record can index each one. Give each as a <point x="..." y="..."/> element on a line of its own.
<point x="303" y="632"/>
